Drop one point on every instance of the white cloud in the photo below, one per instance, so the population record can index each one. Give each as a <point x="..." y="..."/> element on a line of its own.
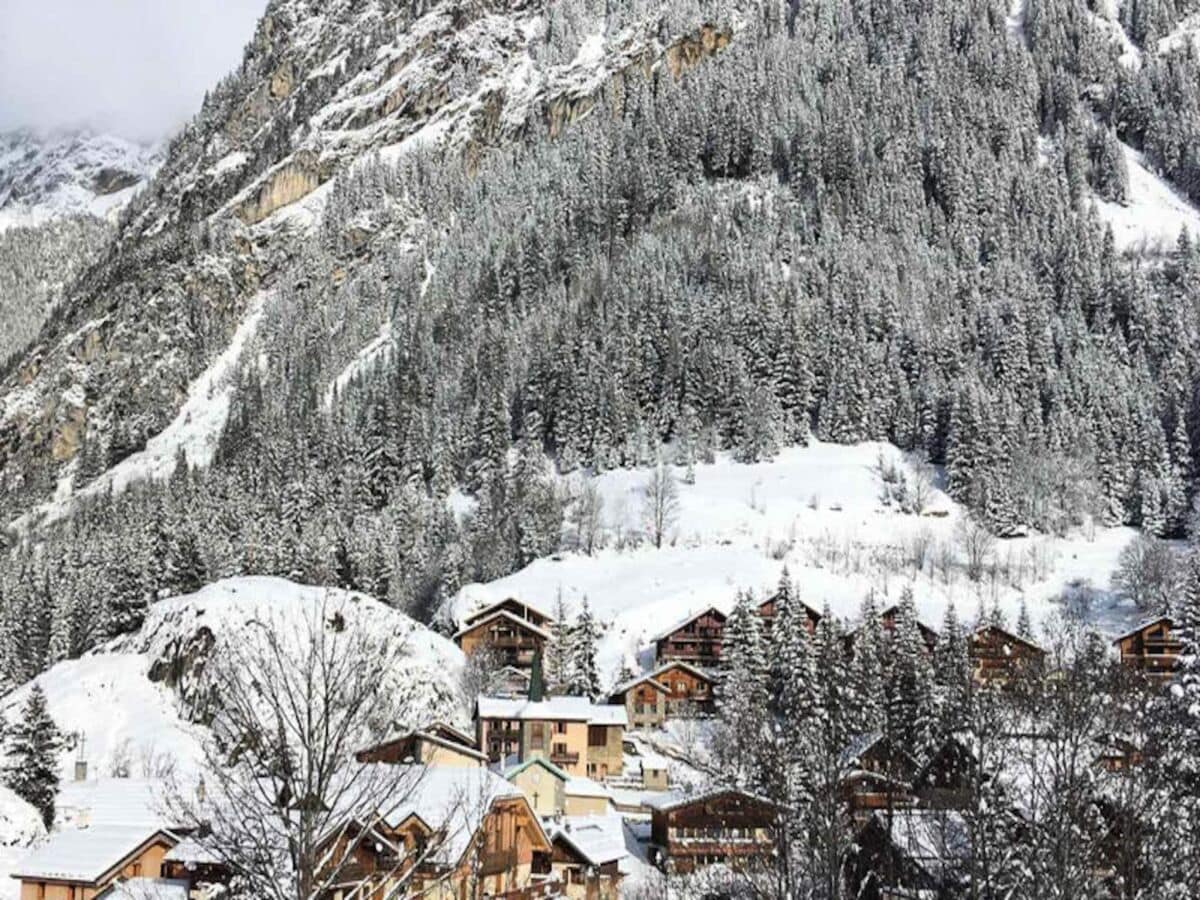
<point x="138" y="68"/>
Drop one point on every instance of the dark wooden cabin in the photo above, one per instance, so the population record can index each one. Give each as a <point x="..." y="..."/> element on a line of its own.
<point x="696" y="640"/>
<point x="723" y="827"/>
<point x="1152" y="648"/>
<point x="999" y="656"/>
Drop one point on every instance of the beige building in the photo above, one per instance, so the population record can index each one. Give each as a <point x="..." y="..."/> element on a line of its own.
<point x="587" y="855"/>
<point x="542" y="783"/>
<point x="576" y="735"/>
<point x="79" y="863"/>
<point x="437" y="745"/>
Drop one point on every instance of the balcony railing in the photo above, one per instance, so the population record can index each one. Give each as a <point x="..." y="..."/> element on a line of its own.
<point x="564" y="759"/>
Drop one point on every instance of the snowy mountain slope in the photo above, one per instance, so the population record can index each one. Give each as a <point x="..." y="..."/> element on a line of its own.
<point x="320" y="89"/>
<point x="1156" y="211"/>
<point x="46" y="178"/>
<point x="818" y="511"/>
<point x="133" y="700"/>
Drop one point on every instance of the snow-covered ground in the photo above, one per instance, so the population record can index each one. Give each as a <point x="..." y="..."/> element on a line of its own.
<point x="818" y="511"/>
<point x="1156" y="211"/>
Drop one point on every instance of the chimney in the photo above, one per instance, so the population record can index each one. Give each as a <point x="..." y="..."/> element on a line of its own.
<point x="81" y="770"/>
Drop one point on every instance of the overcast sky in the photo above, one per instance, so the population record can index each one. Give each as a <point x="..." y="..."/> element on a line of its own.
<point x="138" y="68"/>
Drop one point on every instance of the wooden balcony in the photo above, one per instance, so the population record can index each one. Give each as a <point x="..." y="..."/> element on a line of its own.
<point x="564" y="759"/>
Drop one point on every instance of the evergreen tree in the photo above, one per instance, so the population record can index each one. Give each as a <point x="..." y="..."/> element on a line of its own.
<point x="33" y="747"/>
<point x="584" y="637"/>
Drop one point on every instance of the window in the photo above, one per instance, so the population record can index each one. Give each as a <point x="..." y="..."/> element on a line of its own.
<point x="560" y="749"/>
<point x="597" y="736"/>
<point x="560" y="727"/>
<point x="537" y="736"/>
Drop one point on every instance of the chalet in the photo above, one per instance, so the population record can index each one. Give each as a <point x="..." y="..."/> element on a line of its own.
<point x="460" y="832"/>
<point x="146" y="889"/>
<point x="587" y="856"/>
<point x="910" y="853"/>
<point x="438" y="745"/>
<point x="887" y="620"/>
<point x="999" y="656"/>
<point x="876" y="774"/>
<point x="508" y="681"/>
<point x="1118" y="754"/>
<point x="768" y="608"/>
<point x="1151" y="648"/>
<point x="695" y="640"/>
<point x="948" y="778"/>
<point x="514" y="640"/>
<point x="80" y="863"/>
<point x="644" y="699"/>
<point x="578" y="736"/>
<point x="722" y="827"/>
<point x="524" y="611"/>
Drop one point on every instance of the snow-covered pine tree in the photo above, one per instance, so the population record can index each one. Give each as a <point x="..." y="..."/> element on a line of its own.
<point x="952" y="673"/>
<point x="866" y="669"/>
<point x="742" y="698"/>
<point x="33" y="744"/>
<point x="558" y="655"/>
<point x="910" y="713"/>
<point x="584" y="636"/>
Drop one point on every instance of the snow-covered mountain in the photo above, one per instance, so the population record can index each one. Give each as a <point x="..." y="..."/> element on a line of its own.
<point x="133" y="700"/>
<point x="43" y="178"/>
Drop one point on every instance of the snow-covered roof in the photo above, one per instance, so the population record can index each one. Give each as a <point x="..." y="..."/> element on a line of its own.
<point x="454" y="801"/>
<point x="512" y="772"/>
<point x="671" y="800"/>
<point x="145" y="889"/>
<point x="648" y="678"/>
<point x="428" y="737"/>
<point x="652" y="677"/>
<point x="859" y="744"/>
<point x="191" y="852"/>
<point x="598" y="839"/>
<point x="1143" y="626"/>
<point x="934" y="839"/>
<point x="84" y="855"/>
<point x="574" y="709"/>
<point x="478" y="614"/>
<point x="585" y="787"/>
<point x="691" y="617"/>
<point x="113" y="801"/>
<point x="650" y="760"/>
<point x="504" y="614"/>
<point x="1005" y="633"/>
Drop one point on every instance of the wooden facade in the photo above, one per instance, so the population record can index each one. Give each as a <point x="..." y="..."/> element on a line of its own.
<point x="877" y="774"/>
<point x="1152" y="648"/>
<point x="645" y="701"/>
<point x="910" y="854"/>
<point x="675" y="690"/>
<point x="948" y="778"/>
<point x="143" y="859"/>
<point x="512" y="639"/>
<point x="724" y="827"/>
<point x="697" y="640"/>
<point x="887" y="620"/>
<point x="500" y="859"/>
<point x="438" y="746"/>
<point x="768" y="608"/>
<point x="999" y="656"/>
<point x="514" y="607"/>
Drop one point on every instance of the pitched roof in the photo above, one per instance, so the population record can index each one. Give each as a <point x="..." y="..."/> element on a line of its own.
<point x="428" y="737"/>
<point x="653" y="676"/>
<point x="563" y="709"/>
<point x="672" y="800"/>
<point x="597" y="839"/>
<point x="503" y="614"/>
<point x="1004" y="632"/>
<point x="475" y="616"/>
<point x="189" y="850"/>
<point x="585" y="787"/>
<point x="113" y="801"/>
<point x="690" y="618"/>
<point x="85" y="855"/>
<point x="455" y="801"/>
<point x="1143" y="626"/>
<point x="550" y="767"/>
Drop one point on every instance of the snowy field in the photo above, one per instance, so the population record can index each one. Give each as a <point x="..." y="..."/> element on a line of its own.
<point x="1156" y="211"/>
<point x="817" y="510"/>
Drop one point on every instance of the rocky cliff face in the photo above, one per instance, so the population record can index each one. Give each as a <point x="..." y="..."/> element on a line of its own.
<point x="321" y="86"/>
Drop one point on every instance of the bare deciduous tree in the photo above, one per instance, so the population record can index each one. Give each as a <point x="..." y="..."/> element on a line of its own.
<point x="289" y="705"/>
<point x="587" y="517"/>
<point x="1147" y="573"/>
<point x="977" y="544"/>
<point x="660" y="504"/>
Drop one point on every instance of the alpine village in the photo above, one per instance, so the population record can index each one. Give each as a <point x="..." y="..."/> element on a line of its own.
<point x="600" y="450"/>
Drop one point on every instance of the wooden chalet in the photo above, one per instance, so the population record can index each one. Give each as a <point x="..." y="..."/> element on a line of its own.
<point x="461" y="832"/>
<point x="508" y="681"/>
<point x="1118" y="754"/>
<point x="948" y="778"/>
<point x="525" y="611"/>
<point x="910" y="853"/>
<point x="876" y="774"/>
<point x="888" y="619"/>
<point x="1151" y="648"/>
<point x="695" y="640"/>
<point x="768" y="608"/>
<point x="999" y="656"/>
<point x="196" y="865"/>
<point x="587" y="854"/>
<point x="514" y="639"/>
<point x="437" y="745"/>
<point x="675" y="690"/>
<point x="82" y="863"/>
<point x="722" y="827"/>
